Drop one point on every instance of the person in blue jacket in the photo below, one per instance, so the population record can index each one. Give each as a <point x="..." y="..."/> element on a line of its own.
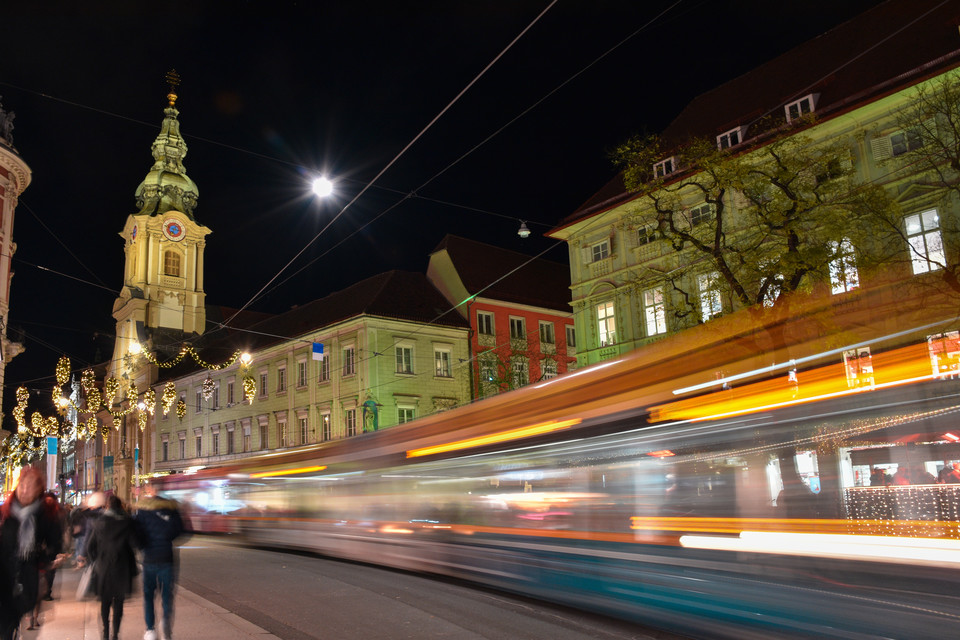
<point x="158" y="524"/>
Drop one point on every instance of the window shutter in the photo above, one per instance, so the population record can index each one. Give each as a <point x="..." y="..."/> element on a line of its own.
<point x="612" y="246"/>
<point x="882" y="148"/>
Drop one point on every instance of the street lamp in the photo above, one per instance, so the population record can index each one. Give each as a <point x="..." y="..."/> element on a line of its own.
<point x="322" y="186"/>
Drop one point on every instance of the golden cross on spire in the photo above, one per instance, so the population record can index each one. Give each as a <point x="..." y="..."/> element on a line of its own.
<point x="173" y="79"/>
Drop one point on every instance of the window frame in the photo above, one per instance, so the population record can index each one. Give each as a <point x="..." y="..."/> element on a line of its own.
<point x="518" y="328"/>
<point x="606" y="323"/>
<point x="665" y="167"/>
<point x="404" y="359"/>
<point x="710" y="296"/>
<point x="654" y="311"/>
<point x="731" y="138"/>
<point x="486" y="318"/>
<point x="810" y="99"/>
<point x="348" y="354"/>
<point x="600" y="251"/>
<point x="443" y="367"/>
<point x="922" y="261"/>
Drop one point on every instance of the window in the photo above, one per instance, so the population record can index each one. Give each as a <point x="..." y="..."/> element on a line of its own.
<point x="325" y="427"/>
<point x="404" y="359"/>
<point x="230" y="447"/>
<point x="304" y="436"/>
<point x="216" y="444"/>
<point x="711" y="305"/>
<point x="263" y="384"/>
<point x="926" y="244"/>
<point x="163" y="452"/>
<point x="571" y="337"/>
<point x="404" y="414"/>
<point x="350" y="420"/>
<point x="230" y="394"/>
<point x="654" y="311"/>
<point x="183" y="447"/>
<point x="858" y="364"/>
<point x="484" y="323"/>
<point x="216" y="396"/>
<point x="549" y="369"/>
<point x="701" y="214"/>
<point x="799" y="108"/>
<point x="606" y="324"/>
<point x="646" y="234"/>
<point x="665" y="167"/>
<point x="264" y="438"/>
<point x="281" y="379"/>
<point x="518" y="329"/>
<point x="731" y="138"/>
<point x="301" y="373"/>
<point x="198" y="441"/>
<point x="441" y="359"/>
<point x="282" y="433"/>
<point x="488" y="369"/>
<point x="246" y="439"/>
<point x="774" y="287"/>
<point x="323" y="370"/>
<point x="546" y="333"/>
<point x="198" y="406"/>
<point x="945" y="354"/>
<point x="904" y="141"/>
<point x="843" y="267"/>
<point x="521" y="373"/>
<point x="600" y="251"/>
<point x="349" y="364"/>
<point x="171" y="263"/>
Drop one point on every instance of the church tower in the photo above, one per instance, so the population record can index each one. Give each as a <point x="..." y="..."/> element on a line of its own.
<point x="162" y="291"/>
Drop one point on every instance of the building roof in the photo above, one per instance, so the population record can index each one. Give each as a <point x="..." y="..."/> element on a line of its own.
<point x="397" y="295"/>
<point x="881" y="51"/>
<point x="481" y="267"/>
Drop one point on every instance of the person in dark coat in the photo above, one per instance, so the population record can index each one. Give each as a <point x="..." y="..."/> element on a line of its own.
<point x="110" y="548"/>
<point x="27" y="538"/>
<point x="158" y="524"/>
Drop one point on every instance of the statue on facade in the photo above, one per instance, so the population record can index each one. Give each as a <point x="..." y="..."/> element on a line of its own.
<point x="6" y="123"/>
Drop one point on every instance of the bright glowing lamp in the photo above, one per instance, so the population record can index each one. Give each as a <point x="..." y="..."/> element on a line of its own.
<point x="135" y="348"/>
<point x="322" y="187"/>
<point x="246" y="358"/>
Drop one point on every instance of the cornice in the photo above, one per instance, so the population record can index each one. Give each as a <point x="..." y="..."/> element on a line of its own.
<point x="17" y="168"/>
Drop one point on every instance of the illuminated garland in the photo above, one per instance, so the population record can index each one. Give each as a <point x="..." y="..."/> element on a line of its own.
<point x="169" y="397"/>
<point x="208" y="388"/>
<point x="181" y="409"/>
<point x="249" y="389"/>
<point x="188" y="350"/>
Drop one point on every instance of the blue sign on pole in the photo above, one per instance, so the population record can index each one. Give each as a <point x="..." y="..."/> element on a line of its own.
<point x="51" y="445"/>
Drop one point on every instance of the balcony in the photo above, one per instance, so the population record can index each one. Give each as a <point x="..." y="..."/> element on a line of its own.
<point x="601" y="268"/>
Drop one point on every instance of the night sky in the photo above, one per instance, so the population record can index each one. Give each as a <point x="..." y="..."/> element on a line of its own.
<point x="273" y="92"/>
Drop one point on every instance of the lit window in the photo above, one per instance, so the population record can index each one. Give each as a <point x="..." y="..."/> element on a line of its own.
<point x="171" y="264"/>
<point x="442" y="360"/>
<point x="549" y="369"/>
<point x="325" y="427"/>
<point x="404" y="414"/>
<point x="600" y="251"/>
<point x="858" y="364"/>
<point x="606" y="324"/>
<point x="350" y="420"/>
<point x="654" y="311"/>
<point x="945" y="354"/>
<point x="546" y="333"/>
<point x="404" y="359"/>
<point x="711" y="305"/>
<point x="843" y="268"/>
<point x="484" y="323"/>
<point x="926" y="244"/>
<point x="518" y="329"/>
<point x="521" y="373"/>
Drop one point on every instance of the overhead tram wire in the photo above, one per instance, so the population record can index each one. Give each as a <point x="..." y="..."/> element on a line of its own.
<point x="396" y="157"/>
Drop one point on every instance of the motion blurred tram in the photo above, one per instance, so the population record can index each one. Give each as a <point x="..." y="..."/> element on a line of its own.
<point x="712" y="497"/>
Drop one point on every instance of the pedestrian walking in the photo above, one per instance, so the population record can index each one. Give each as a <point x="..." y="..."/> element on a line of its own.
<point x="158" y="524"/>
<point x="83" y="519"/>
<point x="110" y="550"/>
<point x="49" y="558"/>
<point x="27" y="537"/>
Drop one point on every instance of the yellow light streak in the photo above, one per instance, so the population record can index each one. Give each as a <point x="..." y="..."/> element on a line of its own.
<point x="287" y="472"/>
<point x="503" y="436"/>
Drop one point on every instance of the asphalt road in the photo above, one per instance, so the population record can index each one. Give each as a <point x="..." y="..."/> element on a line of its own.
<point x="300" y="597"/>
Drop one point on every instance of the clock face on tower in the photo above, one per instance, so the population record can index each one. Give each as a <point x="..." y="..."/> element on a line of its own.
<point x="173" y="229"/>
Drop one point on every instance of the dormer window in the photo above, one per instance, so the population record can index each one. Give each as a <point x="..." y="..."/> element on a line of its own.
<point x="799" y="108"/>
<point x="665" y="167"/>
<point x="731" y="138"/>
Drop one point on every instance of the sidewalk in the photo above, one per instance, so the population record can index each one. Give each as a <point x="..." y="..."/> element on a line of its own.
<point x="196" y="618"/>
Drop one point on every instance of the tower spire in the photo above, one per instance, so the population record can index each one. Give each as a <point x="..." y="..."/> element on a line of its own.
<point x="167" y="186"/>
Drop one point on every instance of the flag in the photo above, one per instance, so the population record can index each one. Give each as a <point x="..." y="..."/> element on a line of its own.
<point x="51" y="445"/>
<point x="318" y="351"/>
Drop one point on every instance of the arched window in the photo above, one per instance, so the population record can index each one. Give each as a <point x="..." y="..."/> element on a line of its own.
<point x="171" y="264"/>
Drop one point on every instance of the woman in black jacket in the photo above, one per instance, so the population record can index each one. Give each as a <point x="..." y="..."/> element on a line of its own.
<point x="110" y="550"/>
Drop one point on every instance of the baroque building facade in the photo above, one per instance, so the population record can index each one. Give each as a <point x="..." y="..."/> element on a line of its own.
<point x="644" y="253"/>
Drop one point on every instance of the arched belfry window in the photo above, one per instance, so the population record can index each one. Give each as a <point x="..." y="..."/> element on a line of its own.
<point x="171" y="263"/>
